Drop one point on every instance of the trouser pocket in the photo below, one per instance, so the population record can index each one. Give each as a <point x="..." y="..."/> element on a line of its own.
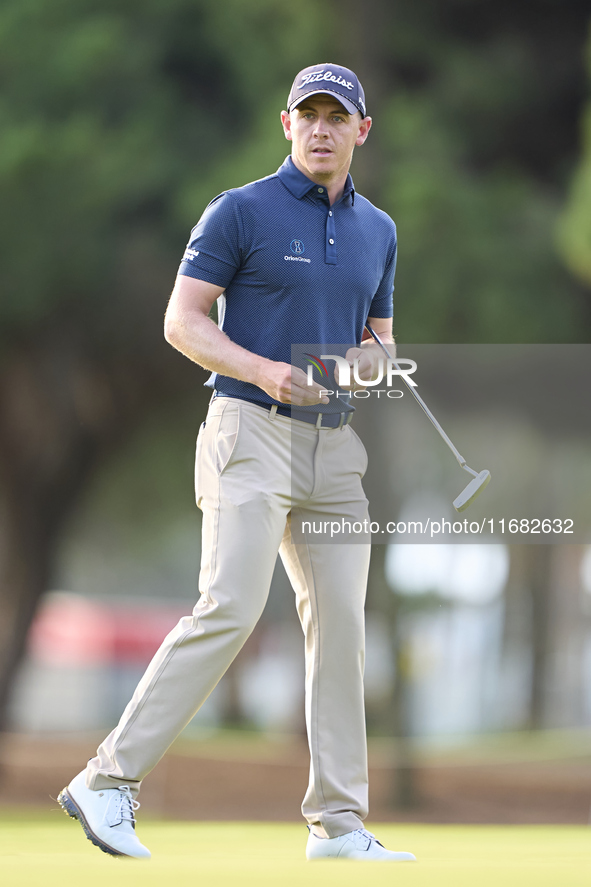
<point x="216" y="447"/>
<point x="199" y="465"/>
<point x="226" y="437"/>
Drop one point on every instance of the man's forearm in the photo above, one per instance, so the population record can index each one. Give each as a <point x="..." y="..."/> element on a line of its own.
<point x="196" y="336"/>
<point x="202" y="341"/>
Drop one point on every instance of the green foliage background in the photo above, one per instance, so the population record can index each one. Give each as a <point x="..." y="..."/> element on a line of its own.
<point x="120" y="120"/>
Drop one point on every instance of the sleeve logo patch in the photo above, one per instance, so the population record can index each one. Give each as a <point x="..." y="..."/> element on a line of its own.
<point x="190" y="254"/>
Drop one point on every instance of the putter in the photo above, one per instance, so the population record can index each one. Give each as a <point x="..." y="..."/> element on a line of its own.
<point x="480" y="479"/>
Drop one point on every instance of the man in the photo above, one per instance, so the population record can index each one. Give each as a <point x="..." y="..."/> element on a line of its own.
<point x="294" y="258"/>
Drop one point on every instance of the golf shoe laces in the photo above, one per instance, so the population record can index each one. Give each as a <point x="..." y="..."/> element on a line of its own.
<point x="365" y="835"/>
<point x="125" y="805"/>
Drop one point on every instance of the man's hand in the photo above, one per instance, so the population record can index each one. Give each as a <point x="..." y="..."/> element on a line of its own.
<point x="288" y="384"/>
<point x="368" y="356"/>
<point x="365" y="367"/>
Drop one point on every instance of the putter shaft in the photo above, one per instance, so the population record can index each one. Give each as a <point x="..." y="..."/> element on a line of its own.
<point x="423" y="406"/>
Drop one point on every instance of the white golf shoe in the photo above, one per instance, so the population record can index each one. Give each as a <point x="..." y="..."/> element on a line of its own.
<point x="359" y="844"/>
<point x="107" y="817"/>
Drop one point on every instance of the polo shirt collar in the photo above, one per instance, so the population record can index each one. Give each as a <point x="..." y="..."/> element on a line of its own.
<point x="299" y="184"/>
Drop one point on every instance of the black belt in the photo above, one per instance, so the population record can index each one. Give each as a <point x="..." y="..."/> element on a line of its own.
<point x="320" y="420"/>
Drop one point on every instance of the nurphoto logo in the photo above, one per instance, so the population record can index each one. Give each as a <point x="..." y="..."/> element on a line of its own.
<point x="387" y="370"/>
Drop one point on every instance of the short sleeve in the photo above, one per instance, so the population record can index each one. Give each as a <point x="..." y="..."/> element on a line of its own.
<point x="214" y="251"/>
<point x="382" y="303"/>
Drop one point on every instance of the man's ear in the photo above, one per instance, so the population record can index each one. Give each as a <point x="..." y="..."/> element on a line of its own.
<point x="286" y="123"/>
<point x="364" y="128"/>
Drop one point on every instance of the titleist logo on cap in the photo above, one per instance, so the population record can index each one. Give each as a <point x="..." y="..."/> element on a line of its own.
<point x="322" y="75"/>
<point x="331" y="79"/>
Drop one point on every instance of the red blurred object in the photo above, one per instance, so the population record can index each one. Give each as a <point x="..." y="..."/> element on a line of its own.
<point x="138" y="632"/>
<point x="73" y="630"/>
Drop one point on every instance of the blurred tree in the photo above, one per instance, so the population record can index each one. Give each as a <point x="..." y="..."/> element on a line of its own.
<point x="476" y="109"/>
<point x="574" y="229"/>
<point x="528" y="624"/>
<point x="547" y="629"/>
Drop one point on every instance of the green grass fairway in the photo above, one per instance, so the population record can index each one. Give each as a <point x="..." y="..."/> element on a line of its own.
<point x="50" y="850"/>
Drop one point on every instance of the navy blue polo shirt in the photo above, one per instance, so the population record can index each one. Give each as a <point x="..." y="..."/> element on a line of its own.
<point x="295" y="269"/>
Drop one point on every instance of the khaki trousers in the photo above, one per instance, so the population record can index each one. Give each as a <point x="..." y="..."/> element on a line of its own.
<point x="254" y="470"/>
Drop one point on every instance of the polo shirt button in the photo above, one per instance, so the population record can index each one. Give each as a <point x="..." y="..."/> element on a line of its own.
<point x="321" y="190"/>
<point x="331" y="241"/>
<point x="330" y="212"/>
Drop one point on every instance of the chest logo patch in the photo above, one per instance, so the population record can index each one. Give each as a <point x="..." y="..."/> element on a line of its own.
<point x="297" y="247"/>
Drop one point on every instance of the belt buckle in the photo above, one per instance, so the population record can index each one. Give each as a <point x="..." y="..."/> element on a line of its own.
<point x="344" y="419"/>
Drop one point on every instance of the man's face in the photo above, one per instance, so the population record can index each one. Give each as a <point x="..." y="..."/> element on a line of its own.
<point x="324" y="135"/>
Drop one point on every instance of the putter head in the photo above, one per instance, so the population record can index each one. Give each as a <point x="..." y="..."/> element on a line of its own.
<point x="474" y="489"/>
